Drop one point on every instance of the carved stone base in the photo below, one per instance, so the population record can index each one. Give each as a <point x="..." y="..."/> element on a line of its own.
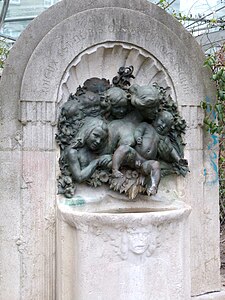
<point x="123" y="250"/>
<point x="211" y="296"/>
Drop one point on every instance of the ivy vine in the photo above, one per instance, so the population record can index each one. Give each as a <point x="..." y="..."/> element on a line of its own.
<point x="4" y="51"/>
<point x="215" y="115"/>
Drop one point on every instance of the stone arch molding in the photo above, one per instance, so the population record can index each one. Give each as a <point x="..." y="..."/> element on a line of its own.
<point x="83" y="30"/>
<point x="105" y="59"/>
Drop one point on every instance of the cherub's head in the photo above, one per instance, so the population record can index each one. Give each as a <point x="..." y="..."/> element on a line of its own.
<point x="146" y="99"/>
<point x="93" y="134"/>
<point x="90" y="104"/>
<point x="119" y="102"/>
<point x="163" y="122"/>
<point x="96" y="138"/>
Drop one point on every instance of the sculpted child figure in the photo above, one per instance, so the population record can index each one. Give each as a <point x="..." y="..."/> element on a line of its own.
<point x="118" y="100"/>
<point x="152" y="143"/>
<point x="116" y="129"/>
<point x="147" y="100"/>
<point x="120" y="128"/>
<point x="146" y="138"/>
<point x="87" y="151"/>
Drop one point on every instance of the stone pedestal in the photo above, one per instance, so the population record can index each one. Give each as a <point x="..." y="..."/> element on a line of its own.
<point x="123" y="250"/>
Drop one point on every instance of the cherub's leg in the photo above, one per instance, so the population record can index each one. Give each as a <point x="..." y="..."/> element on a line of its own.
<point x="119" y="157"/>
<point x="151" y="168"/>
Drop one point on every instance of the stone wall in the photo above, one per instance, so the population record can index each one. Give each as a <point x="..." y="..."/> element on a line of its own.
<point x="63" y="41"/>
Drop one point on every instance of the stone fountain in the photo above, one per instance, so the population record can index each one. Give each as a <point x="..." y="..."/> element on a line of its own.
<point x="49" y="233"/>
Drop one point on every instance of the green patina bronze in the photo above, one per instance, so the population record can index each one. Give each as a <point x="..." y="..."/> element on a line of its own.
<point x="121" y="135"/>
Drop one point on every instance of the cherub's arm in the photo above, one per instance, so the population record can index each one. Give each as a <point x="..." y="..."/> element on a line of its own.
<point x="75" y="168"/>
<point x="168" y="153"/>
<point x="165" y="149"/>
<point x="80" y="175"/>
<point x="176" y="157"/>
<point x="139" y="132"/>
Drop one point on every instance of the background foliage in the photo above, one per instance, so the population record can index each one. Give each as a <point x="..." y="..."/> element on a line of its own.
<point x="215" y="116"/>
<point x="4" y="51"/>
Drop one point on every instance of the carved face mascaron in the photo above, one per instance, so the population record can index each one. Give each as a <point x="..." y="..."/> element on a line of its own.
<point x="138" y="240"/>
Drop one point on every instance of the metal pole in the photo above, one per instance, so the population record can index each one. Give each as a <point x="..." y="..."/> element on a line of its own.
<point x="7" y="37"/>
<point x="3" y="12"/>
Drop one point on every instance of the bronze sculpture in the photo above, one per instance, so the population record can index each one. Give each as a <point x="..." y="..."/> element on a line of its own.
<point x="123" y="136"/>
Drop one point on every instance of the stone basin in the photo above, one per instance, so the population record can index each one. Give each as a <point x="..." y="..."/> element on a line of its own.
<point x="114" y="247"/>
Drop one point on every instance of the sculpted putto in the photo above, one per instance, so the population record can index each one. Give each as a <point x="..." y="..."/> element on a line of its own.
<point x="85" y="155"/>
<point x="125" y="137"/>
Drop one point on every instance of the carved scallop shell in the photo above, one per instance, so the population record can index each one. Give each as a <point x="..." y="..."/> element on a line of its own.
<point x="104" y="60"/>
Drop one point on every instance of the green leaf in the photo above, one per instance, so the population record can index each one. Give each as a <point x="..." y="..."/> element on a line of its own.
<point x="214" y="77"/>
